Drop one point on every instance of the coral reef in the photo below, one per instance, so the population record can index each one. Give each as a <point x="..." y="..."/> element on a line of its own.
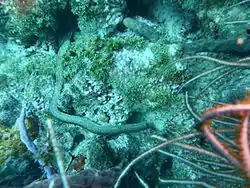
<point x="10" y="144"/>
<point x="38" y="23"/>
<point x="104" y="68"/>
<point x="98" y="16"/>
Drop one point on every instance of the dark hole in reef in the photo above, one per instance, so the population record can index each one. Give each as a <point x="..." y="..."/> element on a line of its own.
<point x="121" y="28"/>
<point x="134" y="117"/>
<point x="166" y="166"/>
<point x="30" y="40"/>
<point x="248" y="30"/>
<point x="77" y="140"/>
<point x="66" y="22"/>
<point x="139" y="7"/>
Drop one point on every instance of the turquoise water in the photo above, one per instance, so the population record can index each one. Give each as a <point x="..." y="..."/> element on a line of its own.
<point x="89" y="88"/>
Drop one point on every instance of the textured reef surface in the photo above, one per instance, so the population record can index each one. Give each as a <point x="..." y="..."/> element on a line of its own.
<point x="116" y="78"/>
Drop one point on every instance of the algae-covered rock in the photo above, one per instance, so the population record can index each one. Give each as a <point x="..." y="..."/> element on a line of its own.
<point x="99" y="17"/>
<point x="37" y="20"/>
<point x="144" y="78"/>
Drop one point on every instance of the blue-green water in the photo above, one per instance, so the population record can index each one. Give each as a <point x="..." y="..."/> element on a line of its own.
<point x="90" y="88"/>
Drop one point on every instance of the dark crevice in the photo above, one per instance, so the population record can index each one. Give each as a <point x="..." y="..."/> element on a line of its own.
<point x="139" y="7"/>
<point x="66" y="22"/>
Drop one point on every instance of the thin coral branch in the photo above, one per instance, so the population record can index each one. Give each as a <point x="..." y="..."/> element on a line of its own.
<point x="152" y="150"/>
<point x="185" y="182"/>
<point x="239" y="63"/>
<point x="217" y="79"/>
<point x="244" y="145"/>
<point x="58" y="154"/>
<point x="225" y="139"/>
<point x="197" y="117"/>
<point x="224" y="150"/>
<point x="239" y="3"/>
<point x="241" y="109"/>
<point x="201" y="75"/>
<point x="227" y="177"/>
<point x="193" y="148"/>
<point x="142" y="182"/>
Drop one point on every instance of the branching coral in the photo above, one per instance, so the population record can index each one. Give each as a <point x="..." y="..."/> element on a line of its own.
<point x="227" y="160"/>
